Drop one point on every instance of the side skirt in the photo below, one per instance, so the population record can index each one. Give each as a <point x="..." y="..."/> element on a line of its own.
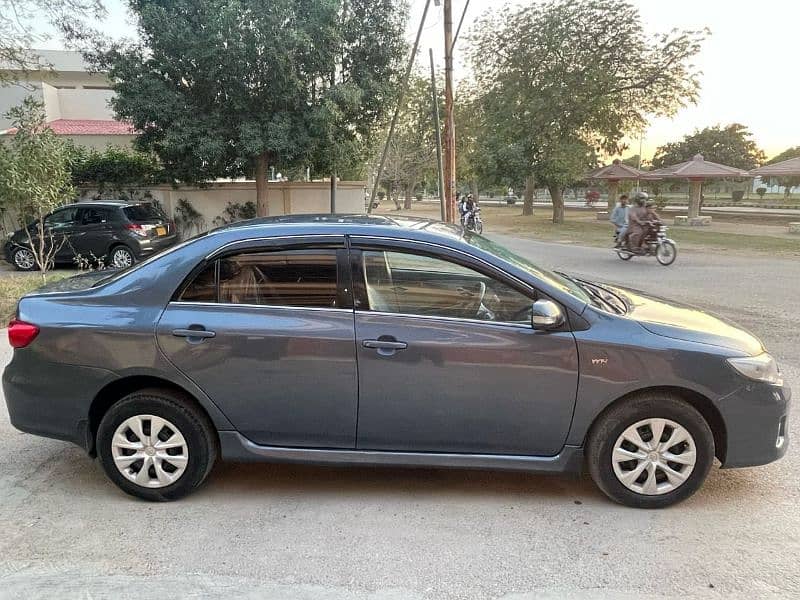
<point x="236" y="447"/>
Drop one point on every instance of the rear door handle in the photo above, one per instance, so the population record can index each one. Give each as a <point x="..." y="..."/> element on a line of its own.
<point x="197" y="334"/>
<point x="384" y="345"/>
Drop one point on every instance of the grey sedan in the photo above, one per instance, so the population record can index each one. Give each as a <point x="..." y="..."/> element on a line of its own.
<point x="369" y="340"/>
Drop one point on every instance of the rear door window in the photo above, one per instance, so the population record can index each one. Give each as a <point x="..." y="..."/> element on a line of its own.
<point x="306" y="278"/>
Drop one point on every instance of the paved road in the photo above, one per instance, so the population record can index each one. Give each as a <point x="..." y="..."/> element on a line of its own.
<point x="388" y="534"/>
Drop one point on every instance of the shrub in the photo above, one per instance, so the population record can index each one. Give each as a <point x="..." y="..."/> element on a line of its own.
<point x="761" y="191"/>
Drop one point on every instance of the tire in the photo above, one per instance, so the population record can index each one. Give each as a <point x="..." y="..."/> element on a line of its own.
<point x="23" y="259"/>
<point x="121" y="257"/>
<point x="604" y="439"/>
<point x="666" y="253"/>
<point x="479" y="228"/>
<point x="185" y="427"/>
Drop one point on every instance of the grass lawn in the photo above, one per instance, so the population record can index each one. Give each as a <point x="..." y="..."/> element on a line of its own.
<point x="582" y="228"/>
<point x="14" y="285"/>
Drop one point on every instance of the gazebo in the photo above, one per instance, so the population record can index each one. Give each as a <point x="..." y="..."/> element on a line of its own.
<point x="614" y="173"/>
<point x="785" y="168"/>
<point x="696" y="171"/>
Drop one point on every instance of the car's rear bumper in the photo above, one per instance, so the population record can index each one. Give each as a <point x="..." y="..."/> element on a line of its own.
<point x="756" y="424"/>
<point x="52" y="400"/>
<point x="149" y="246"/>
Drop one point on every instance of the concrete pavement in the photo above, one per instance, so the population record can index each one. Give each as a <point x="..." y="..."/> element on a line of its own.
<point x="269" y="531"/>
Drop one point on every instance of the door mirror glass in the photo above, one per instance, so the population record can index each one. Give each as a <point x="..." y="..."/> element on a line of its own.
<point x="546" y="314"/>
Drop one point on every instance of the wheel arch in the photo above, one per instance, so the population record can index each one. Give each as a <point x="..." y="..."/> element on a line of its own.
<point x="698" y="401"/>
<point x="116" y="390"/>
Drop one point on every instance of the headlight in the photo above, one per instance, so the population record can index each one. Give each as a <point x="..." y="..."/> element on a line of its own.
<point x="759" y="368"/>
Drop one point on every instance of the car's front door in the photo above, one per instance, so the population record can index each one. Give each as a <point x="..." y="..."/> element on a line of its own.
<point x="60" y="229"/>
<point x="268" y="335"/>
<point x="448" y="360"/>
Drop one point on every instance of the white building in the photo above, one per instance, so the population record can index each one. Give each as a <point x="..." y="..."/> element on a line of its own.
<point x="76" y="101"/>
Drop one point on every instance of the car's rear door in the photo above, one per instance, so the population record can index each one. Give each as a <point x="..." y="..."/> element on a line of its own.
<point x="267" y="332"/>
<point x="448" y="360"/>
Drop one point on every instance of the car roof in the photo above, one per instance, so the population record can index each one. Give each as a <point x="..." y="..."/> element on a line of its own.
<point x="104" y="203"/>
<point x="349" y="224"/>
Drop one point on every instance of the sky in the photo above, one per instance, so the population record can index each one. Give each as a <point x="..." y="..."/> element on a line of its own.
<point x="749" y="63"/>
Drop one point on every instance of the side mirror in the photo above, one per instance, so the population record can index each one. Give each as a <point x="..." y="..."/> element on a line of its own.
<point x="546" y="315"/>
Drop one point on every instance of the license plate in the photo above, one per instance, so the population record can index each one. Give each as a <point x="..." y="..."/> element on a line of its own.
<point x="161" y="231"/>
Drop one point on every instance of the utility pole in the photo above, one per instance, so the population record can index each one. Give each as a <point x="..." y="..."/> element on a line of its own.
<point x="438" y="127"/>
<point x="449" y="120"/>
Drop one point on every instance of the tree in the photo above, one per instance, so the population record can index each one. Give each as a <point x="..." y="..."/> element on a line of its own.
<point x="730" y="145"/>
<point x="787" y="183"/>
<point x="35" y="177"/>
<point x="223" y="88"/>
<point x="18" y="34"/>
<point x="114" y="169"/>
<point x="581" y="77"/>
<point x="412" y="152"/>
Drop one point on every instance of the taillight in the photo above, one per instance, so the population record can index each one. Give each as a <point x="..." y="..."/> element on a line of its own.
<point x="137" y="229"/>
<point x="20" y="333"/>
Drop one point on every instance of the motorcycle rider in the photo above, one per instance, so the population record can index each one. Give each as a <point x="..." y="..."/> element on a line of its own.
<point x="637" y="222"/>
<point x="469" y="207"/>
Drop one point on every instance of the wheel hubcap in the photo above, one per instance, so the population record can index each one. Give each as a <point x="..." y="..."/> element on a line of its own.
<point x="654" y="456"/>
<point x="121" y="258"/>
<point x="149" y="451"/>
<point x="24" y="259"/>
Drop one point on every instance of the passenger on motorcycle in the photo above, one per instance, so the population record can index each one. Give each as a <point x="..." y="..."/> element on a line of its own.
<point x="619" y="218"/>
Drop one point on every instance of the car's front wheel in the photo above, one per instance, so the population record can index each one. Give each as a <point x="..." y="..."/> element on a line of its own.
<point x="156" y="445"/>
<point x="23" y="259"/>
<point x="650" y="451"/>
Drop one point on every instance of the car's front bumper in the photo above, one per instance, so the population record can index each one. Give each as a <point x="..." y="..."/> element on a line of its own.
<point x="756" y="424"/>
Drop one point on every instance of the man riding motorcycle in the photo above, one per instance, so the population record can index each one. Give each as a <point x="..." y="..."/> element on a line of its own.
<point x="638" y="219"/>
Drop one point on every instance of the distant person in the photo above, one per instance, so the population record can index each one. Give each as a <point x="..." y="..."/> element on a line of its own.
<point x="619" y="218"/>
<point x="637" y="221"/>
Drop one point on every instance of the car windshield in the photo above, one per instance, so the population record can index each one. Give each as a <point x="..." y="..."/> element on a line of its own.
<point x="567" y="285"/>
<point x="144" y="212"/>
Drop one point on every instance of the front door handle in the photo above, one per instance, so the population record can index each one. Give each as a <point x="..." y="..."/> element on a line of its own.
<point x="194" y="336"/>
<point x="384" y="345"/>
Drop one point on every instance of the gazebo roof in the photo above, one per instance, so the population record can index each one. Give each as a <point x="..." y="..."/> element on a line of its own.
<point x="616" y="171"/>
<point x="785" y="168"/>
<point x="697" y="168"/>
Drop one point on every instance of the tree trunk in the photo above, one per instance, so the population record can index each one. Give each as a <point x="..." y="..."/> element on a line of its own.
<point x="557" y="196"/>
<point x="409" y="193"/>
<point x="530" y="188"/>
<point x="262" y="185"/>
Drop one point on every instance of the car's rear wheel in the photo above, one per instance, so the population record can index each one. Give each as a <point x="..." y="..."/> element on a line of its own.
<point x="156" y="445"/>
<point x="121" y="257"/>
<point x="650" y="451"/>
<point x="23" y="259"/>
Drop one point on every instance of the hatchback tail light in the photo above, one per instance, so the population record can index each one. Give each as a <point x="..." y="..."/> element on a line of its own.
<point x="137" y="229"/>
<point x="20" y="333"/>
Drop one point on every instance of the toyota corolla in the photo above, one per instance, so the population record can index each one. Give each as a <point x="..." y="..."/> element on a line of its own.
<point x="370" y="340"/>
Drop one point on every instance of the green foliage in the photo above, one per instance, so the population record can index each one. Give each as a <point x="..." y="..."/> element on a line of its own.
<point x="761" y="191"/>
<point x="730" y="145"/>
<point x="188" y="219"/>
<point x="236" y="212"/>
<point x="21" y="24"/>
<point x="581" y="76"/>
<point x="34" y="175"/>
<point x="217" y="87"/>
<point x="115" y="169"/>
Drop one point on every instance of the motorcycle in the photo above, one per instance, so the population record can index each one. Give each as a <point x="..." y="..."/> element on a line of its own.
<point x="473" y="221"/>
<point x="656" y="243"/>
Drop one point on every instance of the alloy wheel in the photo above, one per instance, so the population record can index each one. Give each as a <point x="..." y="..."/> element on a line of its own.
<point x="149" y="451"/>
<point x="654" y="456"/>
<point x="24" y="259"/>
<point x="121" y="258"/>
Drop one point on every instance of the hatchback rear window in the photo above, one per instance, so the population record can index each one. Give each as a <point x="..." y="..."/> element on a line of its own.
<point x="144" y="212"/>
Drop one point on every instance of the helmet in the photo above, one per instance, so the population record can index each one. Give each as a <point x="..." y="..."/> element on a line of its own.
<point x="641" y="196"/>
